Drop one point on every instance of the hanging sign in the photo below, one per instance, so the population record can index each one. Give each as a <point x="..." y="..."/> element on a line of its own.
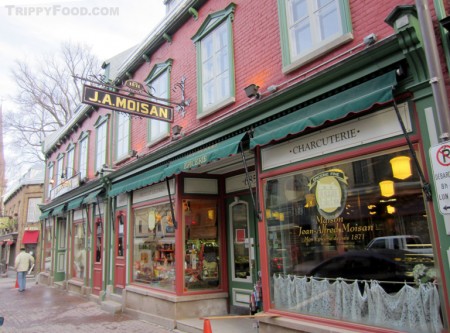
<point x="129" y="104"/>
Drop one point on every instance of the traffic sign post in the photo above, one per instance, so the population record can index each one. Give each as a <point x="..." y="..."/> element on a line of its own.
<point x="440" y="162"/>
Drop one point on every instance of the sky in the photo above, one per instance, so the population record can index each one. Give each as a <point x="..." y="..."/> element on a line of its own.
<point x="34" y="28"/>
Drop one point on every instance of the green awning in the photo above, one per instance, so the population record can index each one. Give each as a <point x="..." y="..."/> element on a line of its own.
<point x="75" y="203"/>
<point x="92" y="197"/>
<point x="353" y="100"/>
<point x="45" y="214"/>
<point x="140" y="180"/>
<point x="58" y="210"/>
<point x="214" y="152"/>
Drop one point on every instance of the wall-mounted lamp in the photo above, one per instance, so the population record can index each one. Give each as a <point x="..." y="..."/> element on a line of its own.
<point x="401" y="167"/>
<point x="133" y="153"/>
<point x="252" y="91"/>
<point x="387" y="188"/>
<point x="390" y="209"/>
<point x="176" y="132"/>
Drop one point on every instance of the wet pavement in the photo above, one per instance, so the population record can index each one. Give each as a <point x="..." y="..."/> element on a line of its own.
<point x="47" y="309"/>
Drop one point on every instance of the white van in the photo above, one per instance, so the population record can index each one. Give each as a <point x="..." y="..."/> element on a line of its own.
<point x="408" y="243"/>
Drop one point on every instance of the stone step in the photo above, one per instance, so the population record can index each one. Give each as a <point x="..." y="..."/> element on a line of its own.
<point x="111" y="307"/>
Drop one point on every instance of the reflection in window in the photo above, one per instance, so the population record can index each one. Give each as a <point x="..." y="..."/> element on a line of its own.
<point x="98" y="241"/>
<point x="201" y="266"/>
<point x="79" y="251"/>
<point x="332" y="223"/>
<point x="120" y="236"/>
<point x="154" y="247"/>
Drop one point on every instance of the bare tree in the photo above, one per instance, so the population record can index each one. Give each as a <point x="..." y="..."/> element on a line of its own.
<point x="47" y="97"/>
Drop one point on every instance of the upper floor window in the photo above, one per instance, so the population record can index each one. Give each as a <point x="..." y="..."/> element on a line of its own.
<point x="59" y="168"/>
<point x="83" y="151"/>
<point x="310" y="28"/>
<point x="159" y="86"/>
<point x="70" y="160"/>
<point x="122" y="135"/>
<point x="33" y="211"/>
<point x="101" y="142"/>
<point x="50" y="179"/>
<point x="215" y="80"/>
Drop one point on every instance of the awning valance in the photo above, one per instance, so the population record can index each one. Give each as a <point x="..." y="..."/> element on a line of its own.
<point x="216" y="151"/>
<point x="138" y="181"/>
<point x="45" y="214"/>
<point x="354" y="100"/>
<point x="75" y="203"/>
<point x="30" y="237"/>
<point x="92" y="197"/>
<point x="58" y="210"/>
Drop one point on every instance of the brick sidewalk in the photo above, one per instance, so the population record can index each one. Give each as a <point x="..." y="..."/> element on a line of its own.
<point x="46" y="309"/>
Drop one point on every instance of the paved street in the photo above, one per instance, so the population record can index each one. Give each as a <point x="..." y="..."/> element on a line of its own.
<point x="46" y="309"/>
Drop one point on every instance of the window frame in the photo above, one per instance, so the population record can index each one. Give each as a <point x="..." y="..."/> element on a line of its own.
<point x="155" y="74"/>
<point x="70" y="161"/>
<point x="291" y="61"/>
<point x="213" y="22"/>
<point x="83" y="153"/>
<point x="50" y="183"/>
<point x="101" y="125"/>
<point x="124" y="152"/>
<point x="59" y="168"/>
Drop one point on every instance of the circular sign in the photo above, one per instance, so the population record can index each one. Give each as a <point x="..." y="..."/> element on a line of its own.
<point x="443" y="155"/>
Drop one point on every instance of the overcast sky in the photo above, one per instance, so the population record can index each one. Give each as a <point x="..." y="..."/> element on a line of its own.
<point x="32" y="28"/>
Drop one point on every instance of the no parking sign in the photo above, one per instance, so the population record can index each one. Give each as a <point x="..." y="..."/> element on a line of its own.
<point x="440" y="162"/>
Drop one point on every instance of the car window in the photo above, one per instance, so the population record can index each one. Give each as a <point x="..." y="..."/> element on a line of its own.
<point x="378" y="244"/>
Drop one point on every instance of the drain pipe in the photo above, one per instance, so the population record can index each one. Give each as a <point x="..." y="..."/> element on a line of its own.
<point x="434" y="68"/>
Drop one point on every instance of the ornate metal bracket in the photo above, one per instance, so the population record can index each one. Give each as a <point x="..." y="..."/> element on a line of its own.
<point x="181" y="107"/>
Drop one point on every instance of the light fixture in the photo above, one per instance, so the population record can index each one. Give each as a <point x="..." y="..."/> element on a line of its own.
<point x="211" y="214"/>
<point x="387" y="188"/>
<point x="401" y="167"/>
<point x="252" y="91"/>
<point x="176" y="132"/>
<point x="310" y="199"/>
<point x="268" y="214"/>
<point x="390" y="209"/>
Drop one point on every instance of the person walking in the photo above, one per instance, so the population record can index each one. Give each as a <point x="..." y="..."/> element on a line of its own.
<point x="22" y="264"/>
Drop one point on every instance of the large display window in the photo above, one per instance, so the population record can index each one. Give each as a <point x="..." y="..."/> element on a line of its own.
<point x="154" y="247"/>
<point x="79" y="251"/>
<point x="48" y="244"/>
<point x="202" y="260"/>
<point x="351" y="241"/>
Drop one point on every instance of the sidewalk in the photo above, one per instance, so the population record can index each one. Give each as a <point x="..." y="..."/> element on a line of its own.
<point x="51" y="310"/>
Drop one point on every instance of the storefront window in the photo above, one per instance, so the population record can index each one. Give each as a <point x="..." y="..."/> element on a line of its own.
<point x="201" y="266"/>
<point x="48" y="246"/>
<point x="154" y="247"/>
<point x="79" y="251"/>
<point x="351" y="239"/>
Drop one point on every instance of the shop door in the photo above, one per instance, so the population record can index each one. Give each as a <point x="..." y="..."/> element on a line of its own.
<point x="243" y="250"/>
<point x="97" y="284"/>
<point x="61" y="249"/>
<point x="120" y="252"/>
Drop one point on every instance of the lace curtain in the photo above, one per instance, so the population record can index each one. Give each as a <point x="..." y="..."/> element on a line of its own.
<point x="414" y="309"/>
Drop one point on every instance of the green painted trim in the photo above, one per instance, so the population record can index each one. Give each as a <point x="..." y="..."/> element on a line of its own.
<point x="213" y="21"/>
<point x="98" y="126"/>
<point x="157" y="71"/>
<point x="445" y="35"/>
<point x="287" y="61"/>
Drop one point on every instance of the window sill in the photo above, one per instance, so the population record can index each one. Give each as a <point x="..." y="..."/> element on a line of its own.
<point x="216" y="107"/>
<point x="348" y="37"/>
<point x="158" y="140"/>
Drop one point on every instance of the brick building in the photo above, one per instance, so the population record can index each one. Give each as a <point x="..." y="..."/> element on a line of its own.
<point x="284" y="138"/>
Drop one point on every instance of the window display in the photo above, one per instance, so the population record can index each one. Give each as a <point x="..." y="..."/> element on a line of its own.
<point x="154" y="247"/>
<point x="337" y="234"/>
<point x="79" y="251"/>
<point x="48" y="246"/>
<point x="201" y="266"/>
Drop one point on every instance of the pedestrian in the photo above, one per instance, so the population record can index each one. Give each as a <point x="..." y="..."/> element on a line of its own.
<point x="22" y="264"/>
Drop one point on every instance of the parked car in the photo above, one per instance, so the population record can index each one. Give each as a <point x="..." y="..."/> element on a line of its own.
<point x="410" y="243"/>
<point x="366" y="265"/>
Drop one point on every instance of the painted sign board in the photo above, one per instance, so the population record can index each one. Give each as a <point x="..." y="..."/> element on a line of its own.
<point x="126" y="103"/>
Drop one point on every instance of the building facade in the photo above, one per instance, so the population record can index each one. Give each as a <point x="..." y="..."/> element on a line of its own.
<point x="21" y="204"/>
<point x="274" y="157"/>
